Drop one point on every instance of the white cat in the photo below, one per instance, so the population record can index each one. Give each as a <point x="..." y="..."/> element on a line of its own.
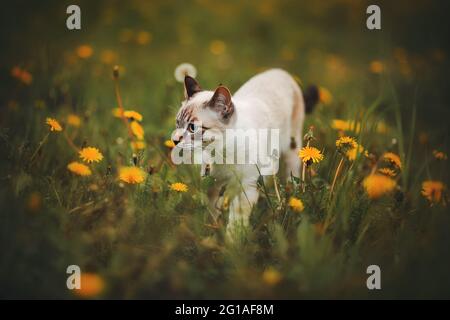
<point x="269" y="100"/>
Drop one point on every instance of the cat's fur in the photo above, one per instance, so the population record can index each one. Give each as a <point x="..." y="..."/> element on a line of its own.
<point x="271" y="99"/>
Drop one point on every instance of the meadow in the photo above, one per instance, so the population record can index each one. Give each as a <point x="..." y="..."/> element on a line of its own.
<point x="86" y="118"/>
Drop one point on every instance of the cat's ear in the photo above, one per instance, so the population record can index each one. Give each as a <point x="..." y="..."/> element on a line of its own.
<point x="221" y="102"/>
<point x="191" y="86"/>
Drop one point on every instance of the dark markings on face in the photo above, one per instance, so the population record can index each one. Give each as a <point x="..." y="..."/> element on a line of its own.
<point x="185" y="116"/>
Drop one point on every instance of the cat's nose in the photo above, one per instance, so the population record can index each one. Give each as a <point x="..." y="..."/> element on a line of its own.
<point x="175" y="141"/>
<point x="177" y="136"/>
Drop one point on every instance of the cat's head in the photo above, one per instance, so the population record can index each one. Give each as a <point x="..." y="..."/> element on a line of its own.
<point x="202" y="110"/>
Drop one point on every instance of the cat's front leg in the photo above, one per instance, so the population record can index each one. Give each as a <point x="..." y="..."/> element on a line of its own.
<point x="240" y="209"/>
<point x="216" y="202"/>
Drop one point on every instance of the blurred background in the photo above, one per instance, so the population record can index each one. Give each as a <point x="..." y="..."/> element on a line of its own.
<point x="323" y="43"/>
<point x="143" y="244"/>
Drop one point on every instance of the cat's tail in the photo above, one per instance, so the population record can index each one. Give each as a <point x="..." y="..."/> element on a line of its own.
<point x="311" y="97"/>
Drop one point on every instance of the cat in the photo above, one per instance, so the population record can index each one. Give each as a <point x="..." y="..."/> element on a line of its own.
<point x="269" y="100"/>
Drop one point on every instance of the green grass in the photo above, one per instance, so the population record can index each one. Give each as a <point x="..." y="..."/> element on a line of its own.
<point x="146" y="241"/>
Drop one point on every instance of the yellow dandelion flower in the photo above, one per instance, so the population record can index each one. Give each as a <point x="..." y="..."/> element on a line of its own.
<point x="310" y="155"/>
<point x="54" y="124"/>
<point x="22" y="75"/>
<point x="169" y="144"/>
<point x="91" y="285"/>
<point x="26" y="77"/>
<point x="179" y="187"/>
<point x="337" y="65"/>
<point x="354" y="126"/>
<point x="34" y="202"/>
<point x="117" y="112"/>
<point x="90" y="154"/>
<point x="217" y="47"/>
<point x="16" y="72"/>
<point x="338" y="124"/>
<point x="345" y="143"/>
<point x="137" y="130"/>
<point x="287" y="54"/>
<point x="393" y="159"/>
<point x="138" y="145"/>
<point x="143" y="37"/>
<point x="73" y="120"/>
<point x="93" y="187"/>
<point x="108" y="57"/>
<point x="266" y="8"/>
<point x="132" y="175"/>
<point x="345" y="125"/>
<point x="423" y="137"/>
<point x="353" y="153"/>
<point x="325" y="96"/>
<point x="382" y="127"/>
<point x="432" y="190"/>
<point x="387" y="172"/>
<point x="377" y="185"/>
<point x="376" y="67"/>
<point x="271" y="277"/>
<point x="79" y="168"/>
<point x="296" y="204"/>
<point x="133" y="115"/>
<point x="440" y="155"/>
<point x="84" y="51"/>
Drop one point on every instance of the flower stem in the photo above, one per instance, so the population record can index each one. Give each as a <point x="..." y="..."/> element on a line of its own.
<point x="70" y="142"/>
<point x="39" y="146"/>
<point x="119" y="102"/>
<point x="304" y="165"/>
<point x="338" y="170"/>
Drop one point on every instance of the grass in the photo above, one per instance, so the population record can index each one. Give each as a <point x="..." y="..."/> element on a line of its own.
<point x="148" y="241"/>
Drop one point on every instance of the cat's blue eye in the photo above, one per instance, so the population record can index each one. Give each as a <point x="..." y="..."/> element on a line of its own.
<point x="192" y="127"/>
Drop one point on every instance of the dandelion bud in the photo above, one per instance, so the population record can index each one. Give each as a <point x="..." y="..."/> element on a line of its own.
<point x="310" y="134"/>
<point x="116" y="72"/>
